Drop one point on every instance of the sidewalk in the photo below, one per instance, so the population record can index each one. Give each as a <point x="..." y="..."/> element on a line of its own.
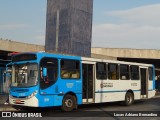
<point x="3" y="98"/>
<point x="3" y="107"/>
<point x="6" y="108"/>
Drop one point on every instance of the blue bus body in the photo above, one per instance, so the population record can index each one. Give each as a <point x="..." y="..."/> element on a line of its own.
<point x="44" y="80"/>
<point x="53" y="95"/>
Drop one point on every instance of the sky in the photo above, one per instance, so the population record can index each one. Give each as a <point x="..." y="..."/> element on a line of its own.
<point x="116" y="23"/>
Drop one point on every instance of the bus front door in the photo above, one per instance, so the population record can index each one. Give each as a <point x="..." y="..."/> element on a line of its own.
<point x="88" y="81"/>
<point x="144" y="83"/>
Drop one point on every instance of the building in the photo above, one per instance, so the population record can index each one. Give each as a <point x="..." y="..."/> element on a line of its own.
<point x="69" y="27"/>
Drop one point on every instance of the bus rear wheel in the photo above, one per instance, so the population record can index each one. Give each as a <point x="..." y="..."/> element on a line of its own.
<point x="129" y="99"/>
<point x="69" y="103"/>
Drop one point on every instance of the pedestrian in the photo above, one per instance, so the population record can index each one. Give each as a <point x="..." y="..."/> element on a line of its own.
<point x="8" y="81"/>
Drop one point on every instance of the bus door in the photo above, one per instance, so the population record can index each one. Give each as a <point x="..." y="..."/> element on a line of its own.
<point x="48" y="75"/>
<point x="144" y="82"/>
<point x="88" y="82"/>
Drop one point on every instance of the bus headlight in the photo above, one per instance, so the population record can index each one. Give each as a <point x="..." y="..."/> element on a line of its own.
<point x="32" y="95"/>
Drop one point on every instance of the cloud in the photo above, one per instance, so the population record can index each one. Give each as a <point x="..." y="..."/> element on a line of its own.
<point x="126" y="35"/>
<point x="141" y="15"/>
<point x="12" y="26"/>
<point x="40" y="37"/>
<point x="135" y="28"/>
<point x="44" y="9"/>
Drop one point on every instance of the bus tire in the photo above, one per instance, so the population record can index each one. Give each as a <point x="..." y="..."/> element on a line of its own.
<point x="16" y="107"/>
<point x="129" y="99"/>
<point x="69" y="103"/>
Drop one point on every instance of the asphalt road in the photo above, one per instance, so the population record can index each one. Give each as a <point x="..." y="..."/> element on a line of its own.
<point x="148" y="108"/>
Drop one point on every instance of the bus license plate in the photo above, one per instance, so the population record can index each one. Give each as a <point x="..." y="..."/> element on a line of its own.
<point x="18" y="101"/>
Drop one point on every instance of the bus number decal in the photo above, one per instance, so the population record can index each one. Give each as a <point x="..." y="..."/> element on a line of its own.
<point x="46" y="99"/>
<point x="69" y="85"/>
<point x="133" y="84"/>
<point x="103" y="85"/>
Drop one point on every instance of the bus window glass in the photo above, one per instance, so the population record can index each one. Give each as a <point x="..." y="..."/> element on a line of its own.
<point x="70" y="69"/>
<point x="150" y="72"/>
<point x="24" y="57"/>
<point x="124" y="72"/>
<point x="101" y="71"/>
<point x="113" y="73"/>
<point x="134" y="72"/>
<point x="24" y="75"/>
<point x="51" y="66"/>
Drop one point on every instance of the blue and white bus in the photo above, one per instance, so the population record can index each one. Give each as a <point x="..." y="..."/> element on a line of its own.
<point x="4" y="82"/>
<point x="44" y="80"/>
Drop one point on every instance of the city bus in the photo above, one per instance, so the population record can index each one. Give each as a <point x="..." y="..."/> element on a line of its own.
<point x="5" y="76"/>
<point x="4" y="83"/>
<point x="45" y="79"/>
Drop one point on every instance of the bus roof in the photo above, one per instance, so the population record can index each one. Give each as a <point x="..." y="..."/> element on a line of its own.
<point x="65" y="56"/>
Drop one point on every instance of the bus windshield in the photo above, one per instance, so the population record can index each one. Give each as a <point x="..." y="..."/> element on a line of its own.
<point x="24" y="75"/>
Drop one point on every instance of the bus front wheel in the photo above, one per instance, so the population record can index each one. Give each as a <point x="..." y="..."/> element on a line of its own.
<point x="69" y="103"/>
<point x="129" y="99"/>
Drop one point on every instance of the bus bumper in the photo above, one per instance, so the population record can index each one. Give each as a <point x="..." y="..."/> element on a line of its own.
<point x="31" y="102"/>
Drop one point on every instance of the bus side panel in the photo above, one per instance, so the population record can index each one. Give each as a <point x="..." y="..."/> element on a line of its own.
<point x="151" y="93"/>
<point x="137" y="95"/>
<point x="50" y="100"/>
<point x="151" y="85"/>
<point x="109" y="97"/>
<point x="79" y="99"/>
<point x="55" y="100"/>
<point x="115" y="90"/>
<point x="113" y="96"/>
<point x="151" y="89"/>
<point x="106" y="90"/>
<point x="154" y="82"/>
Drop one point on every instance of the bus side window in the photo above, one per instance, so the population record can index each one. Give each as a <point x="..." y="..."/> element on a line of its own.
<point x="51" y="66"/>
<point x="70" y="69"/>
<point x="150" y="73"/>
<point x="134" y="72"/>
<point x="101" y="71"/>
<point x="124" y="72"/>
<point x="113" y="71"/>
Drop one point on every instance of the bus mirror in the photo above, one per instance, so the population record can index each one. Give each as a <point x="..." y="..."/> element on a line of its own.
<point x="44" y="72"/>
<point x="8" y="74"/>
<point x="8" y="71"/>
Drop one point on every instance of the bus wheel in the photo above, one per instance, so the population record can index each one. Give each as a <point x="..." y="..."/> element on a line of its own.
<point x="129" y="99"/>
<point x="69" y="103"/>
<point x="17" y="107"/>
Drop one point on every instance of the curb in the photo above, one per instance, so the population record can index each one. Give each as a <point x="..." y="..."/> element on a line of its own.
<point x="7" y="108"/>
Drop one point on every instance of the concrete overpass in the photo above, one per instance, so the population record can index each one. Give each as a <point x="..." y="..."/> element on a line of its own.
<point x="104" y="53"/>
<point x="128" y="53"/>
<point x="8" y="45"/>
